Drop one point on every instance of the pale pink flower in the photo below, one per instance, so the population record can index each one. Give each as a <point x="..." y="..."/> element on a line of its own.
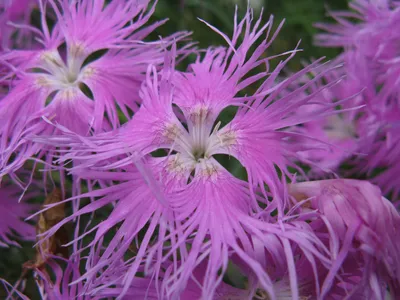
<point x="371" y="41"/>
<point x="88" y="69"/>
<point x="353" y="130"/>
<point x="14" y="11"/>
<point x="362" y="230"/>
<point x="182" y="200"/>
<point x="384" y="159"/>
<point x="369" y="28"/>
<point x="54" y="278"/>
<point x="12" y="215"/>
<point x="382" y="162"/>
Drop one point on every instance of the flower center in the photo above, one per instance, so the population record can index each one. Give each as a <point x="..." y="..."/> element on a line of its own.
<point x="198" y="153"/>
<point x="337" y="128"/>
<point x="62" y="74"/>
<point x="59" y="75"/>
<point x="196" y="145"/>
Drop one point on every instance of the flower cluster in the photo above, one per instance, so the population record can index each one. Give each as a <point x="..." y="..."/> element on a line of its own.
<point x="148" y="200"/>
<point x="370" y="74"/>
<point x="90" y="53"/>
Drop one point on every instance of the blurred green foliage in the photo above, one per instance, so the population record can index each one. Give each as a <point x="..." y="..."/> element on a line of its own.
<point x="299" y="15"/>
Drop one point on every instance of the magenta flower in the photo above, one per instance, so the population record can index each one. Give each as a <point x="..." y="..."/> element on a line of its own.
<point x="386" y="156"/>
<point x="186" y="206"/>
<point x="68" y="80"/>
<point x="371" y="64"/>
<point x="373" y="34"/>
<point x="54" y="280"/>
<point x="353" y="130"/>
<point x="16" y="11"/>
<point x="145" y="288"/>
<point x="12" y="215"/>
<point x="362" y="230"/>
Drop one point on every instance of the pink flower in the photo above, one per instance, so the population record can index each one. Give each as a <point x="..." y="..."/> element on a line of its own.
<point x="88" y="69"/>
<point x="385" y="157"/>
<point x="12" y="215"/>
<point x="353" y="130"/>
<point x="57" y="281"/>
<point x="174" y="193"/>
<point x="362" y="230"/>
<point x="385" y="154"/>
<point x="18" y="11"/>
<point x="371" y="64"/>
<point x="54" y="279"/>
<point x="373" y="34"/>
<point x="145" y="288"/>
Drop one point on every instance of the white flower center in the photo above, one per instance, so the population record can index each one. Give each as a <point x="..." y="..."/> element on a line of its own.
<point x="337" y="128"/>
<point x="54" y="73"/>
<point x="196" y="146"/>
